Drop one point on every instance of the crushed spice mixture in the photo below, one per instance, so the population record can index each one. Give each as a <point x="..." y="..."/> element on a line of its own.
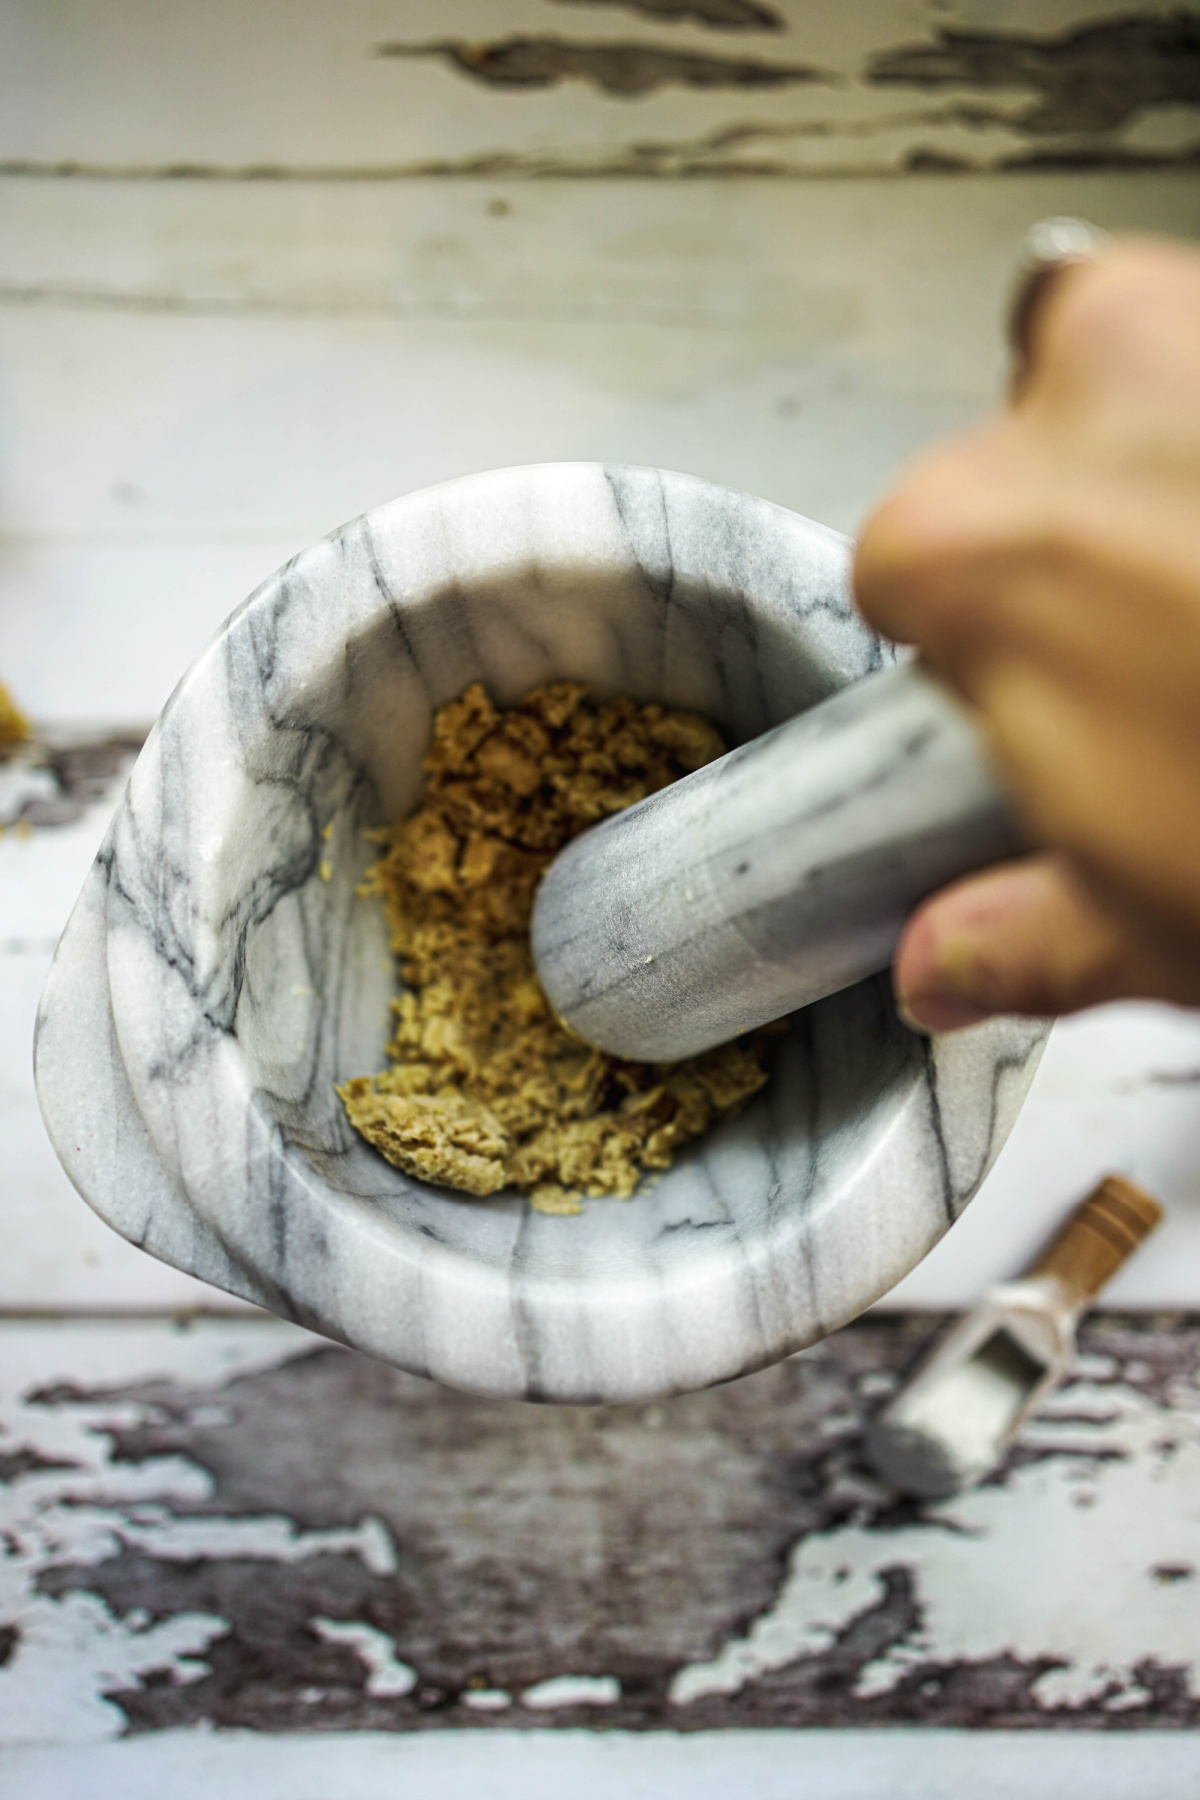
<point x="14" y="726"/>
<point x="486" y="1089"/>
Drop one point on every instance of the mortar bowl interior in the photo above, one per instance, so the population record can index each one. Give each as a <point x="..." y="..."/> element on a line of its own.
<point x="230" y="973"/>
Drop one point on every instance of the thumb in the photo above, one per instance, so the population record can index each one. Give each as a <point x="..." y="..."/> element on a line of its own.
<point x="1028" y="937"/>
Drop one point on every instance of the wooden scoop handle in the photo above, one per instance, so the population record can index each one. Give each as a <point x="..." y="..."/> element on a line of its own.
<point x="1100" y="1234"/>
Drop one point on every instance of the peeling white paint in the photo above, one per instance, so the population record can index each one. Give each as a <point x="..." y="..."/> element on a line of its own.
<point x="386" y="1674"/>
<point x="573" y="1690"/>
<point x="19" y="785"/>
<point x="271" y="1537"/>
<point x="104" y="1354"/>
<point x="487" y="1699"/>
<point x="1061" y="1563"/>
<point x="252" y="109"/>
<point x="72" y="1651"/>
<point x="1091" y="1564"/>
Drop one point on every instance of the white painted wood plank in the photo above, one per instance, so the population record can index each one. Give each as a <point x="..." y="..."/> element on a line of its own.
<point x="235" y="88"/>
<point x="774" y="1765"/>
<point x="887" y="267"/>
<point x="162" y="458"/>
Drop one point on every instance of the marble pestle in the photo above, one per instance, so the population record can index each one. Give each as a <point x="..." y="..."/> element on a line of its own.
<point x="779" y="874"/>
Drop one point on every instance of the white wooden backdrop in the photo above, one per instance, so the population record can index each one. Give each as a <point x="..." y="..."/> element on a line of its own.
<point x="265" y="263"/>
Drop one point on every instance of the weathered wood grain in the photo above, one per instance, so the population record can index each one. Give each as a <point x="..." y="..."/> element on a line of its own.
<point x="200" y="380"/>
<point x="313" y="1541"/>
<point x="645" y="88"/>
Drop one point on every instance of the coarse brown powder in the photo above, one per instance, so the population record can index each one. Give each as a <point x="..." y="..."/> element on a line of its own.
<point x="486" y="1089"/>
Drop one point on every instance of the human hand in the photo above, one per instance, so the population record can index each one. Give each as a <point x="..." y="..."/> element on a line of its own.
<point x="1047" y="566"/>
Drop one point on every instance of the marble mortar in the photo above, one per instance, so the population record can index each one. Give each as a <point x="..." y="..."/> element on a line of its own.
<point x="219" y="973"/>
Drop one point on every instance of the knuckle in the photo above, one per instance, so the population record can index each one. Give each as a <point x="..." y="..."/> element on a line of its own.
<point x="931" y="562"/>
<point x="924" y="525"/>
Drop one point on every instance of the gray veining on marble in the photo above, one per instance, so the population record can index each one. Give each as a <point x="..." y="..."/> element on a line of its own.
<point x="220" y="973"/>
<point x="780" y="873"/>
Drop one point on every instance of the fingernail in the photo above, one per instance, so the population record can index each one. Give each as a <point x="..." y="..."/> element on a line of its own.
<point x="933" y="1014"/>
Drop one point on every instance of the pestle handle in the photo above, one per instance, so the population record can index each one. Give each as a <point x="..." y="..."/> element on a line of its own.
<point x="1099" y="1235"/>
<point x="778" y="874"/>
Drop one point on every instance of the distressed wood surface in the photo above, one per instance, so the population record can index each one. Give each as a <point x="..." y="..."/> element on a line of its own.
<point x="595" y="87"/>
<point x="234" y="1524"/>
